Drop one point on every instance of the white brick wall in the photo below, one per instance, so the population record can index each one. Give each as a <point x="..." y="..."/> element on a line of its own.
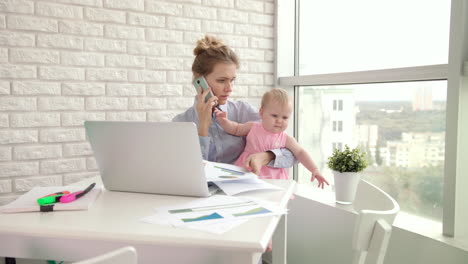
<point x="104" y="15"/>
<point x="66" y="61"/>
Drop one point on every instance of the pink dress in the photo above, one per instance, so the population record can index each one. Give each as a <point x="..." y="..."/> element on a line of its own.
<point x="260" y="140"/>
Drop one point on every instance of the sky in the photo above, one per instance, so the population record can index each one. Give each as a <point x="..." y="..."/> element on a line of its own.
<point x="344" y="36"/>
<point x="399" y="91"/>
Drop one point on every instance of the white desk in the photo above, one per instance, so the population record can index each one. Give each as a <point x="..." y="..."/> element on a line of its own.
<point x="113" y="221"/>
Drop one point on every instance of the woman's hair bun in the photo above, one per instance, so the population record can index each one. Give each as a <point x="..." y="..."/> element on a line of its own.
<point x="208" y="42"/>
<point x="210" y="51"/>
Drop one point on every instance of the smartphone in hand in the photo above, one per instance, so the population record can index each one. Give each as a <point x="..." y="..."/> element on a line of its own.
<point x="201" y="82"/>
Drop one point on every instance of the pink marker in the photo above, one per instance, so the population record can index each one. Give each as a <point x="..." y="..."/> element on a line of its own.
<point x="73" y="196"/>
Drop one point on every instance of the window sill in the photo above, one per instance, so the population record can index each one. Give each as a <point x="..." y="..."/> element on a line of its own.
<point x="428" y="228"/>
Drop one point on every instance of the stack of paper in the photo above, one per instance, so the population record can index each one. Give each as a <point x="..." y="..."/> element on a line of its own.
<point x="217" y="214"/>
<point x="220" y="213"/>
<point x="234" y="179"/>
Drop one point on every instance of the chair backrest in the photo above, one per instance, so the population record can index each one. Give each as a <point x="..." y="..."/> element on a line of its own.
<point x="126" y="255"/>
<point x="374" y="223"/>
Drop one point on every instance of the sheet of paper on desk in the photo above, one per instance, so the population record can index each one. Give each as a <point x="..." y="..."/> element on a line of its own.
<point x="214" y="227"/>
<point x="28" y="201"/>
<point x="236" y="187"/>
<point x="214" y="209"/>
<point x="217" y="172"/>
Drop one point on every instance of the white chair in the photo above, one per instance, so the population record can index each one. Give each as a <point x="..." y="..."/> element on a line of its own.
<point x="322" y="231"/>
<point x="126" y="255"/>
<point x="377" y="211"/>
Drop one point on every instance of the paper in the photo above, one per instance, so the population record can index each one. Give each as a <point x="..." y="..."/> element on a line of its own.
<point x="236" y="187"/>
<point x="212" y="210"/>
<point x="216" y="172"/>
<point x="214" y="227"/>
<point x="233" y="179"/>
<point x="28" y="201"/>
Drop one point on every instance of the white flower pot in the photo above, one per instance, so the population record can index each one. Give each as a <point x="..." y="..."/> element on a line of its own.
<point x="345" y="186"/>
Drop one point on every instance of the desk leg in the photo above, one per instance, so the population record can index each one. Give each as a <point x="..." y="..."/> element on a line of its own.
<point x="280" y="242"/>
<point x="10" y="261"/>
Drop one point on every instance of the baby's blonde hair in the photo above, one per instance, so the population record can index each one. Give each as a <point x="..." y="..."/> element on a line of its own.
<point x="276" y="95"/>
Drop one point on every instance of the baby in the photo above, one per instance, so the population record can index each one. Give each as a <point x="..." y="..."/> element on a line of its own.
<point x="270" y="134"/>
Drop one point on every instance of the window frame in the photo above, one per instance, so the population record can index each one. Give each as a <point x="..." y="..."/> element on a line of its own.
<point x="455" y="72"/>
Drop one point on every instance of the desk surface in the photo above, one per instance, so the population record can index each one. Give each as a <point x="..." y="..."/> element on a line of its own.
<point x="114" y="217"/>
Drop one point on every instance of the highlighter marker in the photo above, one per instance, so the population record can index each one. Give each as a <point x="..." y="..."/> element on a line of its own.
<point x="73" y="196"/>
<point x="51" y="198"/>
<point x="57" y="193"/>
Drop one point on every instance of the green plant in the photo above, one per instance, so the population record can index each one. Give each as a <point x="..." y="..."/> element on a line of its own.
<point x="347" y="160"/>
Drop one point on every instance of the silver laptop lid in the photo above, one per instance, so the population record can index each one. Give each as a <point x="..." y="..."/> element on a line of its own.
<point x="149" y="157"/>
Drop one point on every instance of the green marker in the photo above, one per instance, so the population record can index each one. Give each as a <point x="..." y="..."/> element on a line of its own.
<point x="51" y="198"/>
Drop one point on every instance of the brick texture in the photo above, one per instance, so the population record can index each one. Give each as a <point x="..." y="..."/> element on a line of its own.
<point x="66" y="61"/>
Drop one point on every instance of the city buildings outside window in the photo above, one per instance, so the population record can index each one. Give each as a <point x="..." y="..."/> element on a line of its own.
<point x="337" y="145"/>
<point x="337" y="126"/>
<point x="400" y="124"/>
<point x="337" y="105"/>
<point x="405" y="143"/>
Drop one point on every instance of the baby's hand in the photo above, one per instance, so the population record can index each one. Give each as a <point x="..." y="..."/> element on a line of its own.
<point x="219" y="113"/>
<point x="221" y="116"/>
<point x="321" y="180"/>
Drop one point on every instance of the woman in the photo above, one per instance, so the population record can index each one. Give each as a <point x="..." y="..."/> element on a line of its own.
<point x="218" y="64"/>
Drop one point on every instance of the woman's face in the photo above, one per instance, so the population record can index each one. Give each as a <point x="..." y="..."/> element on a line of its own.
<point x="221" y="80"/>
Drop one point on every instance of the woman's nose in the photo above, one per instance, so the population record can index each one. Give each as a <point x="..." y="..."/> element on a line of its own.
<point x="228" y="87"/>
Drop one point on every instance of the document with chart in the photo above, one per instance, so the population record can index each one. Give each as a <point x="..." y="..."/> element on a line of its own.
<point x="219" y="172"/>
<point x="233" y="179"/>
<point x="214" y="209"/>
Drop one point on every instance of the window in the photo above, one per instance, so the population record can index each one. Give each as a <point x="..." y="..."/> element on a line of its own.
<point x="400" y="125"/>
<point x="336" y="49"/>
<point x="348" y="36"/>
<point x="337" y="145"/>
<point x="337" y="105"/>
<point x="337" y="126"/>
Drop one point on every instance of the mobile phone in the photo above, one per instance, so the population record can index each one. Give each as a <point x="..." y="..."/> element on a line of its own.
<point x="201" y="82"/>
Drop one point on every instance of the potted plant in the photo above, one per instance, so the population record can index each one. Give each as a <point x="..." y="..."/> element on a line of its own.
<point x="346" y="165"/>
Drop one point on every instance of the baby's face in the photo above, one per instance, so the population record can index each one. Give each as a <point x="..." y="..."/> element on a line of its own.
<point x="275" y="117"/>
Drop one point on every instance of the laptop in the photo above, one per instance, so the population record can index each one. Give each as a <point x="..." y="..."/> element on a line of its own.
<point x="149" y="157"/>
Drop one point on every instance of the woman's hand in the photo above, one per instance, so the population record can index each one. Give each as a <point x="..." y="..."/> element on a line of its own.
<point x="321" y="180"/>
<point x="205" y="111"/>
<point x="256" y="161"/>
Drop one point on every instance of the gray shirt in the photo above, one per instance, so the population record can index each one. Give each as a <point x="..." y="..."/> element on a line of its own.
<point x="220" y="146"/>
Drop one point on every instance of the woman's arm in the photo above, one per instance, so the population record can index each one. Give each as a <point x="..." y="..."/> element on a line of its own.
<point x="205" y="111"/>
<point x="201" y="115"/>
<point x="191" y="116"/>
